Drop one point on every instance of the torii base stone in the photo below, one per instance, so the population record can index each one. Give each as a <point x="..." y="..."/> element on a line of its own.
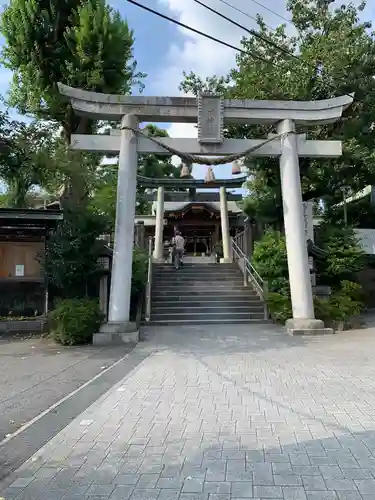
<point x="307" y="327"/>
<point x="112" y="333"/>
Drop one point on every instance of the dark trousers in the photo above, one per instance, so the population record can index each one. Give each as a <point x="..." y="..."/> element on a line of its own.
<point x="178" y="257"/>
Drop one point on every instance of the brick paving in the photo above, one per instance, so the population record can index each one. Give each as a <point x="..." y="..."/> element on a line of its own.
<point x="221" y="413"/>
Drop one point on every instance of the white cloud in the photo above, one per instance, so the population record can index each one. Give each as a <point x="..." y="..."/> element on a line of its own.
<point x="201" y="55"/>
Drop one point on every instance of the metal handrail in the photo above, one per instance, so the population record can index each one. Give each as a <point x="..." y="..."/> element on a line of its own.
<point x="240" y="240"/>
<point x="149" y="280"/>
<point x="252" y="275"/>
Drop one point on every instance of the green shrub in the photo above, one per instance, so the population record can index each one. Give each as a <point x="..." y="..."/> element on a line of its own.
<point x="74" y="321"/>
<point x="347" y="302"/>
<point x="345" y="256"/>
<point x="344" y="304"/>
<point x="344" y="259"/>
<point x="139" y="270"/>
<point x="280" y="306"/>
<point x="270" y="260"/>
<point x="323" y="309"/>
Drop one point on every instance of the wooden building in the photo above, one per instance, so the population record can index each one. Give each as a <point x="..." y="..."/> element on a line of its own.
<point x="199" y="223"/>
<point x="23" y="237"/>
<point x="199" y="215"/>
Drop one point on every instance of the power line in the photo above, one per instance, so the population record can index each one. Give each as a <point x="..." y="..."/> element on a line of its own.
<point x="263" y="38"/>
<point x="249" y="30"/>
<point x="217" y="40"/>
<point x="273" y="12"/>
<point x="244" y="13"/>
<point x="212" y="38"/>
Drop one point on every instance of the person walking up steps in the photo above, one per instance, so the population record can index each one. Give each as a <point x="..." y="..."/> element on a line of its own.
<point x="179" y="246"/>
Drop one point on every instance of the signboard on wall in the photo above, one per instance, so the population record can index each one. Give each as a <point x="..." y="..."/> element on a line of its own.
<point x="20" y="270"/>
<point x="366" y="239"/>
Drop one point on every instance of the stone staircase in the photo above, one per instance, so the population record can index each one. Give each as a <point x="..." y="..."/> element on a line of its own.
<point x="203" y="293"/>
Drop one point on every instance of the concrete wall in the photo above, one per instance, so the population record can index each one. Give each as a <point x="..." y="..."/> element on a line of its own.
<point x="24" y="327"/>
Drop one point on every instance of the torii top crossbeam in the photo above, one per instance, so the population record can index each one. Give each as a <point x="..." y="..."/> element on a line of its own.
<point x="186" y="109"/>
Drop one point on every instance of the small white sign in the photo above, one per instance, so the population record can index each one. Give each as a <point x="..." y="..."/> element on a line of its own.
<point x="308" y="216"/>
<point x="20" y="270"/>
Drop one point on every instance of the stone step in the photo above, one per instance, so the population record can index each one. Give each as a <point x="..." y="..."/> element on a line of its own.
<point x="206" y="293"/>
<point x="207" y="317"/>
<point x="199" y="283"/>
<point x="196" y="276"/>
<point x="206" y="309"/>
<point x="180" y="280"/>
<point x="208" y="322"/>
<point x="193" y="266"/>
<point x="203" y="301"/>
<point x="197" y="270"/>
<point x="187" y="265"/>
<point x="176" y="275"/>
<point x="203" y="294"/>
<point x="206" y="299"/>
<point x="200" y="288"/>
<point x="199" y="260"/>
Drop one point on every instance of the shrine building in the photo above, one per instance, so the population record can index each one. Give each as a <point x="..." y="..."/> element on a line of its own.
<point x="197" y="215"/>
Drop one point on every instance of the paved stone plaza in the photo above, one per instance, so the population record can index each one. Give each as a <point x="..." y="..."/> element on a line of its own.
<point x="221" y="412"/>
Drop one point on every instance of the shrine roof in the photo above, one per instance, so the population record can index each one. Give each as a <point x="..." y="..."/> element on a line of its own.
<point x="190" y="183"/>
<point x="196" y="197"/>
<point x="173" y="206"/>
<point x="29" y="217"/>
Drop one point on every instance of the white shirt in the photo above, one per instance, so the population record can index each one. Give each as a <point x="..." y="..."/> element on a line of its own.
<point x="179" y="242"/>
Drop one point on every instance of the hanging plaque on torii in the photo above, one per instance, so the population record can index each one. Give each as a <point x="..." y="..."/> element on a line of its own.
<point x="210" y="118"/>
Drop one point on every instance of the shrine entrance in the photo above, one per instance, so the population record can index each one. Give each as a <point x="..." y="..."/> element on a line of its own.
<point x="198" y="244"/>
<point x="210" y="112"/>
<point x="199" y="224"/>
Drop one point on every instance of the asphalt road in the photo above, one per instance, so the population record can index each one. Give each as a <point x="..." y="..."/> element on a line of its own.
<point x="36" y="373"/>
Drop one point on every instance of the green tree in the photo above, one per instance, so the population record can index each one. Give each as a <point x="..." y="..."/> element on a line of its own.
<point x="4" y="200"/>
<point x="73" y="252"/>
<point x="345" y="257"/>
<point x="25" y="160"/>
<point x="332" y="55"/>
<point x="84" y="44"/>
<point x="154" y="166"/>
<point x="80" y="43"/>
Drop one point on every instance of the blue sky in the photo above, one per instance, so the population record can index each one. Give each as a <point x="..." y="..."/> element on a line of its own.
<point x="164" y="50"/>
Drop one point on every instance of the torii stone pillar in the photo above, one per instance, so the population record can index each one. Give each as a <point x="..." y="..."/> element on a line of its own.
<point x="227" y="247"/>
<point x="210" y="112"/>
<point x="295" y="236"/>
<point x="159" y="226"/>
<point x="118" y="326"/>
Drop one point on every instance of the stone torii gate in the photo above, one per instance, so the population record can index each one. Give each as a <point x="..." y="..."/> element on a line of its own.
<point x="210" y="112"/>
